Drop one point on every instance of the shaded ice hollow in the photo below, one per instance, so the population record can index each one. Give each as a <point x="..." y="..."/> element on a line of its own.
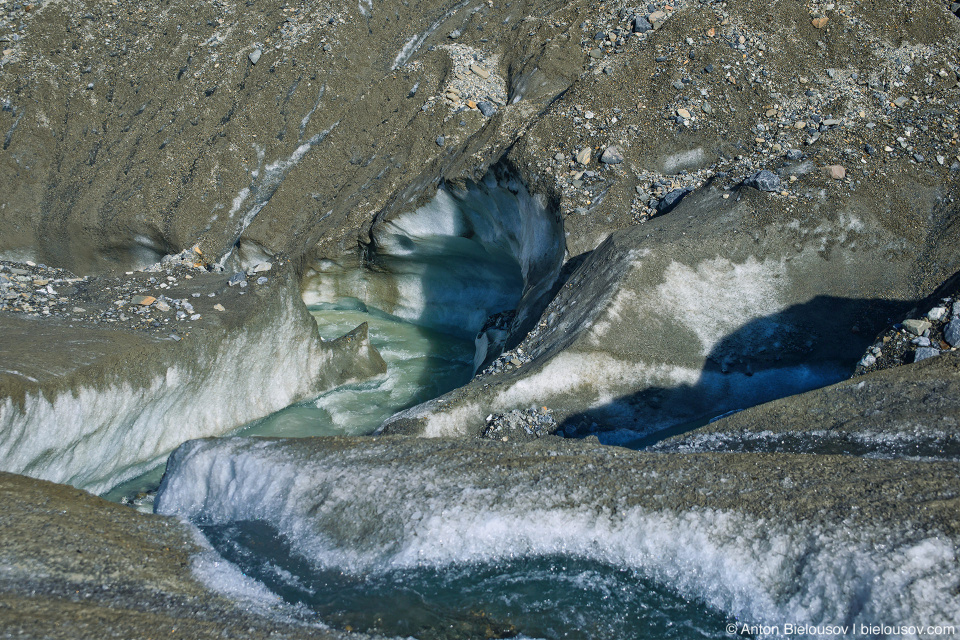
<point x="450" y="264"/>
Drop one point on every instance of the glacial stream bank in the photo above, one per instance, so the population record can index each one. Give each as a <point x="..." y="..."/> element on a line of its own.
<point x="760" y="537"/>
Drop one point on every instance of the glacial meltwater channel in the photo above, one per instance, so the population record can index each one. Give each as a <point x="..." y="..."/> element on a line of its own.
<point x="550" y="596"/>
<point x="455" y="279"/>
<point x="421" y="364"/>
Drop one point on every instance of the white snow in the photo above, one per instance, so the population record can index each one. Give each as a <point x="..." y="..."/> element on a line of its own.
<point x="718" y="297"/>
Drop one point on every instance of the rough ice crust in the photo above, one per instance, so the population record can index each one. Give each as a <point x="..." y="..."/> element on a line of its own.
<point x="359" y="511"/>
<point x="95" y="437"/>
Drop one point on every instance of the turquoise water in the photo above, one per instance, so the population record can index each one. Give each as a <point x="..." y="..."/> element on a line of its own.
<point x="421" y="364"/>
<point x="549" y="597"/>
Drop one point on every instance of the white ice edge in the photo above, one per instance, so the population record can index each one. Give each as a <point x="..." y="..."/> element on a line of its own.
<point x="338" y="510"/>
<point x="97" y="437"/>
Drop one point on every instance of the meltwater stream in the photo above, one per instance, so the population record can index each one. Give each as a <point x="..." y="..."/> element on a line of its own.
<point x="551" y="596"/>
<point x="456" y="279"/>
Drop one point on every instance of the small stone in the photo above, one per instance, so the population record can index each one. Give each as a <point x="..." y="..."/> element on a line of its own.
<point x="559" y="157"/>
<point x="584" y="155"/>
<point x="162" y="306"/>
<point x="867" y="361"/>
<point x="819" y="23"/>
<point x="916" y="327"/>
<point x="480" y="71"/>
<point x="262" y="267"/>
<point x="683" y="113"/>
<point x="657" y="17"/>
<point x="764" y="181"/>
<point x="901" y="102"/>
<point x="453" y="35"/>
<point x="327" y="48"/>
<point x="671" y="200"/>
<point x="262" y="280"/>
<point x="79" y="310"/>
<point x="611" y="155"/>
<point x="596" y="54"/>
<point x="951" y="332"/>
<point x="254" y="56"/>
<point x="923" y="353"/>
<point x="835" y="171"/>
<point x="707" y="108"/>
<point x="441" y="141"/>
<point x="237" y="278"/>
<point x="219" y="307"/>
<point x="936" y="313"/>
<point x="486" y="108"/>
<point x="641" y="25"/>
<point x="143" y="301"/>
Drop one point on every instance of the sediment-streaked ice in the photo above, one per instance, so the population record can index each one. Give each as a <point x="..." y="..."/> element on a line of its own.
<point x="369" y="508"/>
<point x="95" y="437"/>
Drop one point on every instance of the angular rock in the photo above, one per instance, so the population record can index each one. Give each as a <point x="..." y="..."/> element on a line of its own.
<point x="641" y="24"/>
<point x="835" y="172"/>
<point x="923" y="353"/>
<point x="764" y="181"/>
<point x="672" y="199"/>
<point x="480" y="71"/>
<point x="486" y="108"/>
<point x="916" y="327"/>
<point x="611" y="155"/>
<point x="951" y="332"/>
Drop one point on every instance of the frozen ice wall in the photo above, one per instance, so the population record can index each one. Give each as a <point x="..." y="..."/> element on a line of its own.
<point x="97" y="434"/>
<point x="376" y="504"/>
<point x="452" y="263"/>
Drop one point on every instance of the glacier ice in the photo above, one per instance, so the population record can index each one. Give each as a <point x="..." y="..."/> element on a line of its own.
<point x="450" y="264"/>
<point x="384" y="503"/>
<point x="95" y="436"/>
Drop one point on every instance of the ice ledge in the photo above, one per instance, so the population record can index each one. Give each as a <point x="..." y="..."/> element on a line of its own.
<point x="93" y="407"/>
